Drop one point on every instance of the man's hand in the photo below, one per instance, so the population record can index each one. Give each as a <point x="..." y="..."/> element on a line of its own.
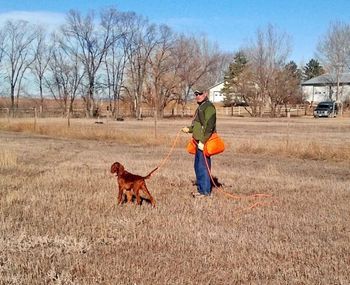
<point x="185" y="130"/>
<point x="200" y="146"/>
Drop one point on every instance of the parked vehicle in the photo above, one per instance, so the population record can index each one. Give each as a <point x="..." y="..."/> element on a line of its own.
<point x="327" y="109"/>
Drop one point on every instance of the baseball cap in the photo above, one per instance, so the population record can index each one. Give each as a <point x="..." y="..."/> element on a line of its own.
<point x="198" y="92"/>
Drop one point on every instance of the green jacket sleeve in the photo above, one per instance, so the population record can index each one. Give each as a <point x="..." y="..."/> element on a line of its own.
<point x="210" y="123"/>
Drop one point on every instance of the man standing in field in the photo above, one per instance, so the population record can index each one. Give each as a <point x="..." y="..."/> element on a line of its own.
<point x="202" y="127"/>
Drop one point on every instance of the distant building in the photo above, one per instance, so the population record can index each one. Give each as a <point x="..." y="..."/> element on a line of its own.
<point x="324" y="88"/>
<point x="217" y="96"/>
<point x="215" y="93"/>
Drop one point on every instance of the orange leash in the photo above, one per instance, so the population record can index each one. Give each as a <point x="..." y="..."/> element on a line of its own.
<point x="170" y="151"/>
<point x="234" y="196"/>
<point x="218" y="189"/>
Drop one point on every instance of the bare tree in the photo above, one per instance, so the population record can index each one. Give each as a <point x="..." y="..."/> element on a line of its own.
<point x="217" y="75"/>
<point x="214" y="63"/>
<point x="267" y="57"/>
<point x="159" y="63"/>
<point x="196" y="59"/>
<point x="334" y="51"/>
<point x="65" y="75"/>
<point x="116" y="59"/>
<point x="93" y="42"/>
<point x="286" y="88"/>
<point x="159" y="68"/>
<point x="18" y="38"/>
<point x="242" y="86"/>
<point x="40" y="65"/>
<point x="2" y="40"/>
<point x="142" y="41"/>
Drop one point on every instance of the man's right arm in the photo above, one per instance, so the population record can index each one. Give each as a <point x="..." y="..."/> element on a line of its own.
<point x="187" y="129"/>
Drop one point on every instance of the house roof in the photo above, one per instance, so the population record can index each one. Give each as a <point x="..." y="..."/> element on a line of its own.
<point x="328" y="79"/>
<point x="217" y="84"/>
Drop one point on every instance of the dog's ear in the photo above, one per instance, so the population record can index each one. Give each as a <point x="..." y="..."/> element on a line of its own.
<point x="120" y="168"/>
<point x="117" y="168"/>
<point x="114" y="167"/>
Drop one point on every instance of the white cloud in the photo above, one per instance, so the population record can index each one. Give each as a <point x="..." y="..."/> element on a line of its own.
<point x="46" y="19"/>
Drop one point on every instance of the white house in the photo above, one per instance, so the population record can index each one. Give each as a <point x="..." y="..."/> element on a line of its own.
<point x="215" y="93"/>
<point x="324" y="88"/>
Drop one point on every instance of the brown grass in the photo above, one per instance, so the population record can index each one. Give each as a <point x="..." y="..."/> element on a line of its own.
<point x="304" y="150"/>
<point x="82" y="130"/>
<point x="8" y="158"/>
<point x="281" y="144"/>
<point x="60" y="223"/>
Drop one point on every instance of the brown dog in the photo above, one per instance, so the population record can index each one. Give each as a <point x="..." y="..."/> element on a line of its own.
<point x="131" y="184"/>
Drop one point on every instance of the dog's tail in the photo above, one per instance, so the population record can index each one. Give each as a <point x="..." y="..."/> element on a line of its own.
<point x="150" y="174"/>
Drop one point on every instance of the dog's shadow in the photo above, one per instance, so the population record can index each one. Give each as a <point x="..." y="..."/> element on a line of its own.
<point x="133" y="200"/>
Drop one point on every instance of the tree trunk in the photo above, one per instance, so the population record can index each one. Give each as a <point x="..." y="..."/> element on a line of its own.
<point x="12" y="97"/>
<point x="41" y="94"/>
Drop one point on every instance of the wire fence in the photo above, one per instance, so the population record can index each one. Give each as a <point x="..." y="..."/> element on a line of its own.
<point x="236" y="111"/>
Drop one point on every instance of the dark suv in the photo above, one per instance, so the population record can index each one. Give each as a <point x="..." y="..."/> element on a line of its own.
<point x="326" y="109"/>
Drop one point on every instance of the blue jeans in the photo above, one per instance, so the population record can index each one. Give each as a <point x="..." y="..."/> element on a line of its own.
<point x="202" y="175"/>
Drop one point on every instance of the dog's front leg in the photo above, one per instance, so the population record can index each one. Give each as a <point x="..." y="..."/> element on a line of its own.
<point x="137" y="194"/>
<point x="129" y="196"/>
<point x="120" y="195"/>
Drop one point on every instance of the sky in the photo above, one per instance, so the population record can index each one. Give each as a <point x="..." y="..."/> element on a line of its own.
<point x="230" y="24"/>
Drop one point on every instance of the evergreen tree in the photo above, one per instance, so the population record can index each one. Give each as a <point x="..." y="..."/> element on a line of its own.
<point x="312" y="69"/>
<point x="293" y="70"/>
<point x="232" y="75"/>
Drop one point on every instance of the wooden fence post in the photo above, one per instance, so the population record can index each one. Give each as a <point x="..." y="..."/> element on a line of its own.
<point x="8" y="115"/>
<point x="108" y="114"/>
<point x="288" y="110"/>
<point x="35" y="117"/>
<point x="288" y="130"/>
<point x="68" y="118"/>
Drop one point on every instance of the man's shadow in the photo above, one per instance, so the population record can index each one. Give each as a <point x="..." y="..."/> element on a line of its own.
<point x="214" y="182"/>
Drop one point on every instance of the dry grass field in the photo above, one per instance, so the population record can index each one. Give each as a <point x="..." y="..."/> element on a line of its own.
<point x="60" y="223"/>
